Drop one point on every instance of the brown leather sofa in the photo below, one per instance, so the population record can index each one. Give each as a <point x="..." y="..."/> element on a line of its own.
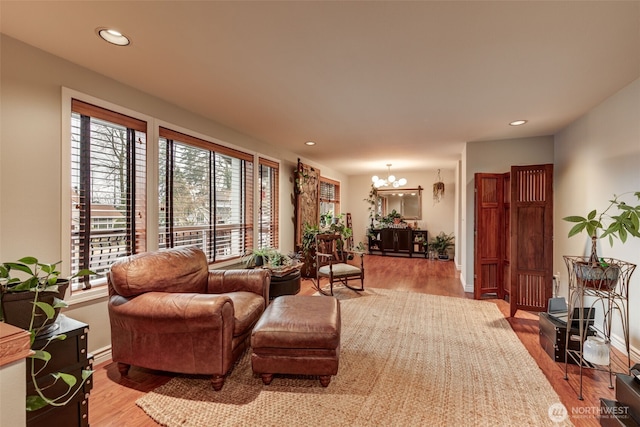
<point x="169" y="312"/>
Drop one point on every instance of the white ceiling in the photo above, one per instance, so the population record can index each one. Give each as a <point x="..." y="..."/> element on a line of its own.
<point x="372" y="83"/>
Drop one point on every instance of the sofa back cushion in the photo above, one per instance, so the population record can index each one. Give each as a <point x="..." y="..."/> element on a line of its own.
<point x="170" y="270"/>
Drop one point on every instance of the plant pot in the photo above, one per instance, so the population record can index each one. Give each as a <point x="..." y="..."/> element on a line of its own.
<point x="259" y="260"/>
<point x="596" y="276"/>
<point x="443" y="257"/>
<point x="18" y="306"/>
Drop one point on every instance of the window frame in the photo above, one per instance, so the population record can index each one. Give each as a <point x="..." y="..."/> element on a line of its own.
<point x="189" y="138"/>
<point x="274" y="226"/>
<point x="99" y="288"/>
<point x="336" y="189"/>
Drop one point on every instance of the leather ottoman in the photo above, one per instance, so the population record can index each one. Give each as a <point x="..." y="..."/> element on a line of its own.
<point x="297" y="335"/>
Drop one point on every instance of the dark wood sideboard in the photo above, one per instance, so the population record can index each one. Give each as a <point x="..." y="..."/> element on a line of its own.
<point x="398" y="242"/>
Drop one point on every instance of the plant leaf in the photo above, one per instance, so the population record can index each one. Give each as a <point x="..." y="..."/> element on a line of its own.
<point x="35" y="402"/>
<point x="591" y="215"/>
<point x="28" y="260"/>
<point x="577" y="229"/>
<point x="84" y="272"/>
<point x="41" y="355"/>
<point x="58" y="303"/>
<point x="69" y="379"/>
<point x="574" y="219"/>
<point x="46" y="308"/>
<point x="86" y="373"/>
<point x="20" y="267"/>
<point x="47" y="268"/>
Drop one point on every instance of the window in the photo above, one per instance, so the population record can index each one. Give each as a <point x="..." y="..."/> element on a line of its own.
<point x="205" y="196"/>
<point x="108" y="155"/>
<point x="329" y="196"/>
<point x="268" y="209"/>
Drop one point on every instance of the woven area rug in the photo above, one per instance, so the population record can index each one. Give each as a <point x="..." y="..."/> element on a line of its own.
<point x="407" y="359"/>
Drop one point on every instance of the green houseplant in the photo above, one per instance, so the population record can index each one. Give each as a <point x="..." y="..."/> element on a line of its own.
<point x="618" y="220"/>
<point x="33" y="303"/>
<point x="441" y="244"/>
<point x="258" y="257"/>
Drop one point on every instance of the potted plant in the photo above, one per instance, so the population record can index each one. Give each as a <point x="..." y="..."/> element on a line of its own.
<point x="308" y="249"/>
<point x="258" y="257"/>
<point x="618" y="220"/>
<point x="33" y="303"/>
<point x="441" y="244"/>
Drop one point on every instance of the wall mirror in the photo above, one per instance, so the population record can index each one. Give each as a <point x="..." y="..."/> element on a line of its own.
<point x="407" y="201"/>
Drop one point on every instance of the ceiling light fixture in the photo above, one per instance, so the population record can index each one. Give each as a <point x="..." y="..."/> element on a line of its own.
<point x="389" y="181"/>
<point x="517" y="122"/>
<point x="113" y="36"/>
<point x="310" y="143"/>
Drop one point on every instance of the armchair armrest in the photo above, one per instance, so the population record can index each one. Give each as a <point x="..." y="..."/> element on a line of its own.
<point x="171" y="312"/>
<point x="323" y="255"/>
<point x="223" y="281"/>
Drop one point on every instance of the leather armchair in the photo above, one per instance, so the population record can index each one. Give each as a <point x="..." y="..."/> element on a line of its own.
<point x="169" y="312"/>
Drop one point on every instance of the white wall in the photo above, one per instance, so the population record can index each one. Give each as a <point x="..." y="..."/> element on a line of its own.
<point x="493" y="157"/>
<point x="31" y="210"/>
<point x="435" y="217"/>
<point x="595" y="157"/>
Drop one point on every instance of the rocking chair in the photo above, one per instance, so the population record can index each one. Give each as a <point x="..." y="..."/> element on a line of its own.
<point x="332" y="262"/>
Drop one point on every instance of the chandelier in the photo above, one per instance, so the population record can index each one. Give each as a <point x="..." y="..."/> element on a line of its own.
<point x="389" y="181"/>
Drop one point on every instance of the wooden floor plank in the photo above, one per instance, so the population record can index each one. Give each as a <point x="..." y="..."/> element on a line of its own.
<point x="112" y="401"/>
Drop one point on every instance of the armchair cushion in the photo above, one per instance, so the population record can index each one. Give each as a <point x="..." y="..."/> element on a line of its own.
<point x="176" y="270"/>
<point x="248" y="307"/>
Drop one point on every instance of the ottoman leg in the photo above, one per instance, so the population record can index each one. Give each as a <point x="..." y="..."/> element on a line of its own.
<point x="266" y="378"/>
<point x="325" y="380"/>
<point x="217" y="381"/>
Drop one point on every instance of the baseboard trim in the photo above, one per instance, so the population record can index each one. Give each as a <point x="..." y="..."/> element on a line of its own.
<point x="101" y="355"/>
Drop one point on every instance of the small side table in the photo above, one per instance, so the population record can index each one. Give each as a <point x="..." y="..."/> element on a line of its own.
<point x="285" y="285"/>
<point x="285" y="280"/>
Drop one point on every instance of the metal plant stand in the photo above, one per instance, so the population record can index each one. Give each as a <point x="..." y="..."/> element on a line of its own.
<point x="606" y="285"/>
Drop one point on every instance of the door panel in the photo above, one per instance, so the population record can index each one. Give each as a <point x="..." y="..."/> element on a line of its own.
<point x="506" y="233"/>
<point x="488" y="237"/>
<point x="531" y="237"/>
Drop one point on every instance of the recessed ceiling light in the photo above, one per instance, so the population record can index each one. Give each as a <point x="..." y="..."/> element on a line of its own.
<point x="518" y="123"/>
<point x="113" y="36"/>
<point x="309" y="143"/>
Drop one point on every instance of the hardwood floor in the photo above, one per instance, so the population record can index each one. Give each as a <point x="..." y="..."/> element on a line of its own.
<point x="112" y="401"/>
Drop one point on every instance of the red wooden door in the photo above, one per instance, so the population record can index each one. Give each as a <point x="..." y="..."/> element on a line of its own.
<point x="531" y="237"/>
<point x="489" y="226"/>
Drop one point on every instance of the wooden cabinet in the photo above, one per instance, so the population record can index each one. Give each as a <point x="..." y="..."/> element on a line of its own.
<point x="397" y="241"/>
<point x="69" y="356"/>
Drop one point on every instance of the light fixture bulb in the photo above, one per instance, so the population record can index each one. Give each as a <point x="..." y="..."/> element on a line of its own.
<point x="113" y="36"/>
<point x="389" y="181"/>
